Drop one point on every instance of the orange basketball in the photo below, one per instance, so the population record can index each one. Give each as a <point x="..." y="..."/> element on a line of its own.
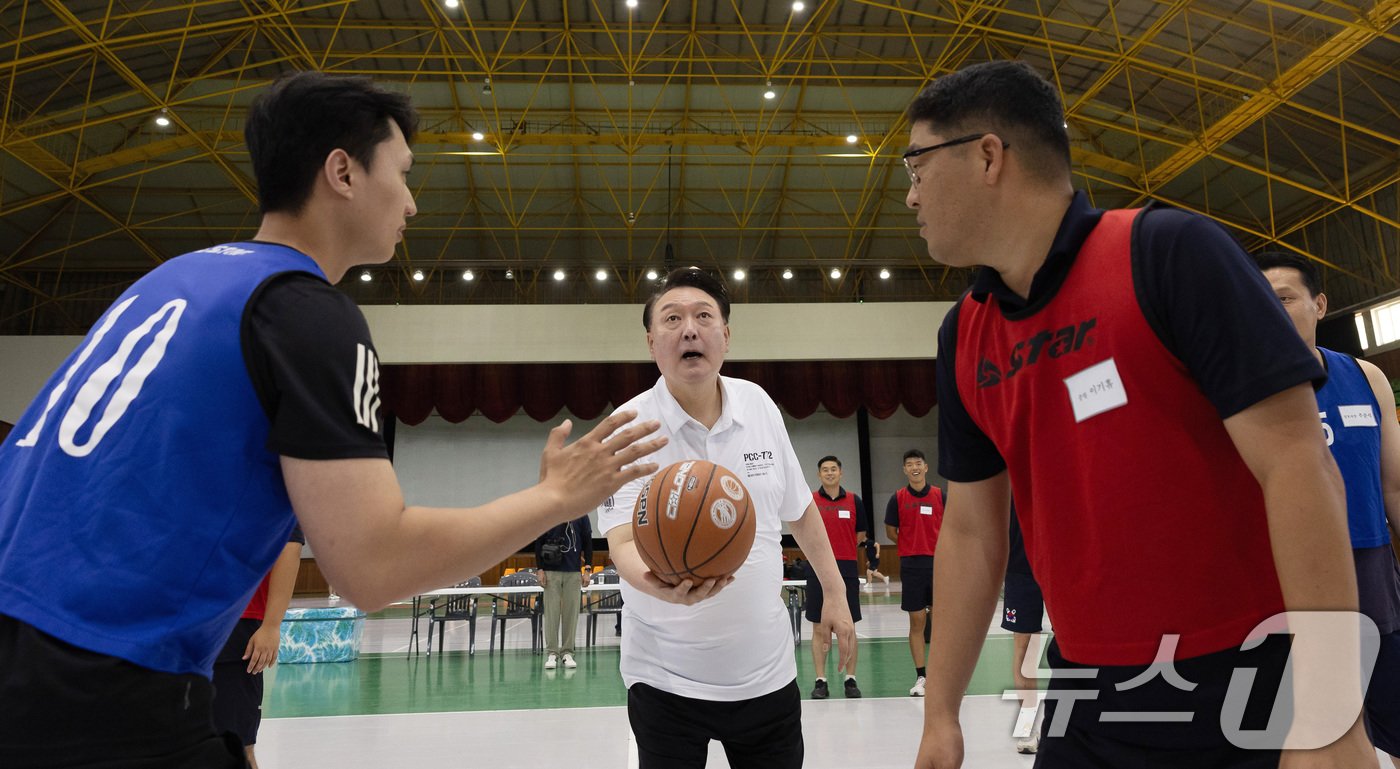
<point x="693" y="520"/>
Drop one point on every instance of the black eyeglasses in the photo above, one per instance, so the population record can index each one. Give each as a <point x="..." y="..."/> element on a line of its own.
<point x="909" y="167"/>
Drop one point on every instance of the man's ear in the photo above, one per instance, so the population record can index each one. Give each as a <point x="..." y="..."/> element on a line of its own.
<point x="1321" y="300"/>
<point x="337" y="173"/>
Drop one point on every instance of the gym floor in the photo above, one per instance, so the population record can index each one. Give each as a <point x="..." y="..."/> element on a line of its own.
<point x="392" y="708"/>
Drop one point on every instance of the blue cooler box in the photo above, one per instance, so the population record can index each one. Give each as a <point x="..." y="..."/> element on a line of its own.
<point x="330" y="634"/>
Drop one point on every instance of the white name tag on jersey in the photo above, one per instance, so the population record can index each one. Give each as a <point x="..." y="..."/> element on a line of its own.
<point x="1095" y="390"/>
<point x="843" y="513"/>
<point x="1357" y="416"/>
<point x="925" y="509"/>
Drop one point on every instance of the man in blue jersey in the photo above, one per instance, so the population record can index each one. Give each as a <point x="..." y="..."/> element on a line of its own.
<point x="227" y="395"/>
<point x="1357" y="408"/>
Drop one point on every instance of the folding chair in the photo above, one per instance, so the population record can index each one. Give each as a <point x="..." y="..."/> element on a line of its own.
<point x="517" y="606"/>
<point x="457" y="607"/>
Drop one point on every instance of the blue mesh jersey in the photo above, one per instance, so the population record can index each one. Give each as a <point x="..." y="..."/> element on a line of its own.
<point x="1351" y="423"/>
<point x="139" y="504"/>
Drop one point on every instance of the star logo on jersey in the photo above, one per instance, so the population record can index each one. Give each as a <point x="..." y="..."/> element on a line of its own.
<point x="987" y="373"/>
<point x="1028" y="352"/>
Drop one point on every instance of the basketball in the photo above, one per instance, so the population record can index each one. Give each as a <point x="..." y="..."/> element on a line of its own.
<point x="693" y="520"/>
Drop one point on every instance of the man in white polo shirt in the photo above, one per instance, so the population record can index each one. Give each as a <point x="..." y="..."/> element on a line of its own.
<point x="723" y="669"/>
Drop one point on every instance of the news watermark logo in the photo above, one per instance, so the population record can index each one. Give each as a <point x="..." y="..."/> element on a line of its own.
<point x="1319" y="697"/>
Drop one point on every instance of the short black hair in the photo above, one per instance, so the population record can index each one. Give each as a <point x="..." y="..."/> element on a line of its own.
<point x="1268" y="260"/>
<point x="914" y="454"/>
<point x="692" y="277"/>
<point x="303" y="117"/>
<point x="1007" y="98"/>
<point x="828" y="458"/>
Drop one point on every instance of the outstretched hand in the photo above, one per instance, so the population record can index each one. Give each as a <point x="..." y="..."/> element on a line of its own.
<point x="592" y="468"/>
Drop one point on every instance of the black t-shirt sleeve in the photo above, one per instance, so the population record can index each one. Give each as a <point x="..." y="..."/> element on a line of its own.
<point x="965" y="453"/>
<point x="297" y="535"/>
<point x="313" y="365"/>
<point x="1212" y="308"/>
<point x="892" y="511"/>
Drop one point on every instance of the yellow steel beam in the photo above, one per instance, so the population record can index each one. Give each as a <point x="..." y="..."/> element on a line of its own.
<point x="1320" y="60"/>
<point x="48" y="55"/>
<point x="242" y="183"/>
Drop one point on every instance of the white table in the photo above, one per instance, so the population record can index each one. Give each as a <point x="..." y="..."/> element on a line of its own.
<point x="432" y="596"/>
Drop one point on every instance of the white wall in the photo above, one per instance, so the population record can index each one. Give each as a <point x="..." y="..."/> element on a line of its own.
<point x="25" y="364"/>
<point x="570" y="333"/>
<point x="567" y="333"/>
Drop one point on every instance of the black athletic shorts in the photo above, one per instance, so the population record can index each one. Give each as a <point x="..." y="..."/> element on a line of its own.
<point x="916" y="578"/>
<point x="1382" y="702"/>
<point x="1023" y="607"/>
<point x="238" y="694"/>
<point x="69" y="707"/>
<point x="1094" y="737"/>
<point x="814" y="590"/>
<point x="674" y="732"/>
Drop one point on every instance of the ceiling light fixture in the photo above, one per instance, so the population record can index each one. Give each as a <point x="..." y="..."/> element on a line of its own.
<point x="478" y="136"/>
<point x="770" y="94"/>
<point x="799" y="6"/>
<point x="468" y="276"/>
<point x="365" y="277"/>
<point x="601" y="275"/>
<point x="163" y="119"/>
<point x="651" y="274"/>
<point x="510" y="274"/>
<point x="852" y="138"/>
<point x="417" y="274"/>
<point x="451" y="3"/>
<point x="558" y="274"/>
<point x="486" y="87"/>
<point x="835" y="273"/>
<point x="739" y="274"/>
<point x="787" y="274"/>
<point x="631" y="3"/>
<point x="884" y="274"/>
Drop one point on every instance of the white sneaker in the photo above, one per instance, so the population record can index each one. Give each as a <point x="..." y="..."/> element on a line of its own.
<point x="551" y="662"/>
<point x="569" y="660"/>
<point x="1025" y="722"/>
<point x="1030" y="744"/>
<point x="1028" y="737"/>
<point x="918" y="688"/>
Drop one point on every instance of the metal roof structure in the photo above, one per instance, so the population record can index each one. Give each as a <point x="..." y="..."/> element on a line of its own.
<point x="609" y="132"/>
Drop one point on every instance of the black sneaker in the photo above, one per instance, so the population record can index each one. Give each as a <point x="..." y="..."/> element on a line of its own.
<point x="820" y="692"/>
<point x="852" y="691"/>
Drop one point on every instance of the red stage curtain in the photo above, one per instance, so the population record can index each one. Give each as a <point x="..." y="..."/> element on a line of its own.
<point x="499" y="391"/>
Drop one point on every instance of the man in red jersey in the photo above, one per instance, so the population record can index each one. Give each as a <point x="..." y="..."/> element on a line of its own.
<point x="238" y="670"/>
<point x="843" y="514"/>
<point x="912" y="520"/>
<point x="1130" y="377"/>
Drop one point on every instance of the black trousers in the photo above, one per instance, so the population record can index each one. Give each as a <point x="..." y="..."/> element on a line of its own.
<point x="69" y="707"/>
<point x="674" y="732"/>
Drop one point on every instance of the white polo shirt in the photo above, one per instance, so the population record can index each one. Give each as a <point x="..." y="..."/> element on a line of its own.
<point x="736" y="645"/>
